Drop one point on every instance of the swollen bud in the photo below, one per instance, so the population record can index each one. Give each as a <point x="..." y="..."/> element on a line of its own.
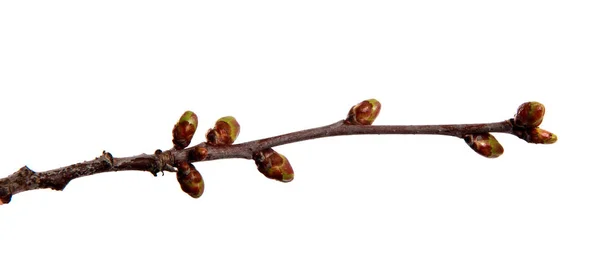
<point x="485" y="144"/>
<point x="274" y="165"/>
<point x="184" y="130"/>
<point x="225" y="132"/>
<point x="530" y="114"/>
<point x="536" y="135"/>
<point x="363" y="113"/>
<point x="190" y="179"/>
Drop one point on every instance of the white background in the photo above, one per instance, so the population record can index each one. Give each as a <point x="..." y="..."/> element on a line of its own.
<point x="80" y="77"/>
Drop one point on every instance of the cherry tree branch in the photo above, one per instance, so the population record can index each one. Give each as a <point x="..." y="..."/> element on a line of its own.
<point x="221" y="147"/>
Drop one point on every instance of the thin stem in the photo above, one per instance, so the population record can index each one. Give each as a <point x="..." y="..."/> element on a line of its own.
<point x="246" y="149"/>
<point x="25" y="179"/>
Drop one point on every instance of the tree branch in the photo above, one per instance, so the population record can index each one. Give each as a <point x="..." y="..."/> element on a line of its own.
<point x="25" y="179"/>
<point x="247" y="149"/>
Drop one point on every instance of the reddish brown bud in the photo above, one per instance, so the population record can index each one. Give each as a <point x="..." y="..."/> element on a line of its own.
<point x="225" y="132"/>
<point x="274" y="165"/>
<point x="190" y="179"/>
<point x="485" y="144"/>
<point x="530" y="114"/>
<point x="536" y="135"/>
<point x="184" y="130"/>
<point x="363" y="113"/>
<point x="198" y="154"/>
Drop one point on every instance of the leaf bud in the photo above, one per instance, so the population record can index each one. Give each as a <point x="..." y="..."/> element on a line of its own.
<point x="225" y="132"/>
<point x="274" y="165"/>
<point x="190" y="179"/>
<point x="198" y="153"/>
<point x="485" y="144"/>
<point x="530" y="114"/>
<point x="363" y="113"/>
<point x="536" y="135"/>
<point x="184" y="130"/>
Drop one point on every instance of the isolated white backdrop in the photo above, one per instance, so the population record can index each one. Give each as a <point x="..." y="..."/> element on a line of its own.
<point x="80" y="77"/>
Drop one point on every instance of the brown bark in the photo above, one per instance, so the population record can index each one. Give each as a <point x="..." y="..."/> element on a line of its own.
<point x="25" y="179"/>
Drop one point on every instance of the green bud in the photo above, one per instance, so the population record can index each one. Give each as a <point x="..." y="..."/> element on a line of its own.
<point x="485" y="144"/>
<point x="363" y="113"/>
<point x="184" y="130"/>
<point x="274" y="165"/>
<point x="190" y="180"/>
<point x="536" y="135"/>
<point x="225" y="132"/>
<point x="530" y="114"/>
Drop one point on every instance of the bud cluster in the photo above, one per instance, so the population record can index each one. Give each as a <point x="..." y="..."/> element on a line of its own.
<point x="225" y="132"/>
<point x="527" y="119"/>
